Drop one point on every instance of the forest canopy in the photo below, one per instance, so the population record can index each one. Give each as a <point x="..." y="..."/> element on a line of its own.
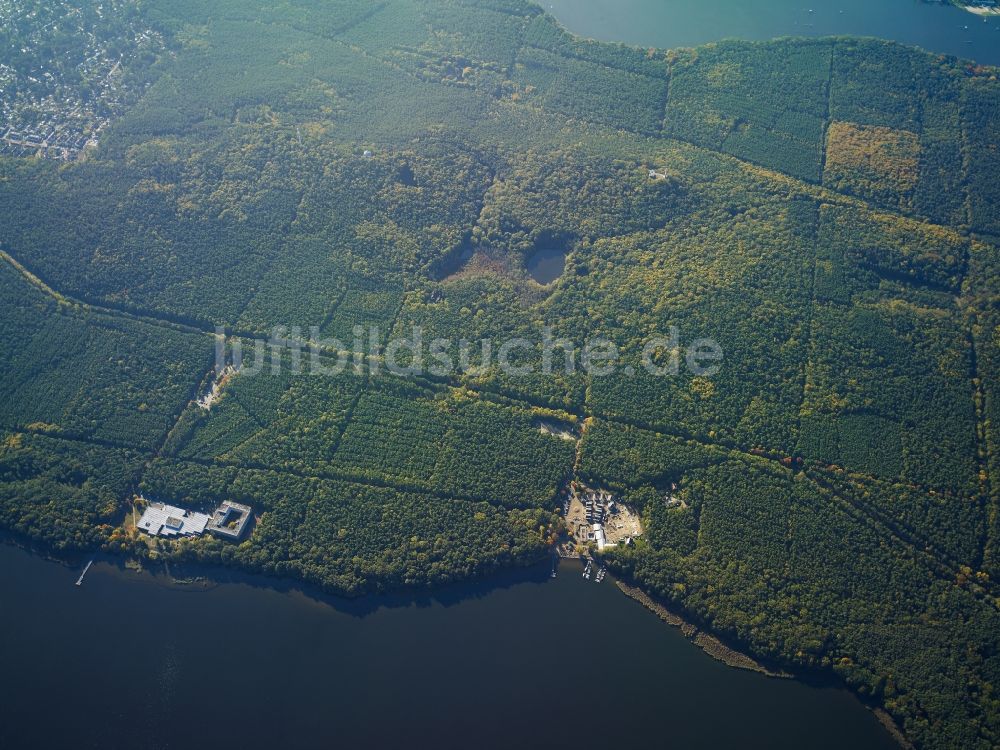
<point x="827" y="211"/>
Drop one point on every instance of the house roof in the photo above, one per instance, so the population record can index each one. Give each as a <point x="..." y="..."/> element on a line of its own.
<point x="160" y="519"/>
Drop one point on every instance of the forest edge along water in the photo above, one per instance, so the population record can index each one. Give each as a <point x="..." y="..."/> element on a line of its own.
<point x="519" y="656"/>
<point x="935" y="26"/>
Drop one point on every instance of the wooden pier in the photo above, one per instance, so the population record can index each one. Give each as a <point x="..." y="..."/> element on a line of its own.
<point x="79" y="581"/>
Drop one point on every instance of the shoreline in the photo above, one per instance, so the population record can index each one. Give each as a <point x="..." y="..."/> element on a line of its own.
<point x="196" y="576"/>
<point x="707" y="642"/>
<point x="984" y="11"/>
<point x="204" y="580"/>
<point x="729" y="656"/>
<point x="892" y="728"/>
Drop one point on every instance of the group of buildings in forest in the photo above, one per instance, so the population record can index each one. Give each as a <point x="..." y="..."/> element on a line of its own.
<point x="596" y="516"/>
<point x="228" y="521"/>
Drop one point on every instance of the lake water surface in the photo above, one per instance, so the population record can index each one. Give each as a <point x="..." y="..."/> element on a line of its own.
<point x="128" y="661"/>
<point x="686" y="23"/>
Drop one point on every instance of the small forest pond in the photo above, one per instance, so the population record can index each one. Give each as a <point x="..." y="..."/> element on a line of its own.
<point x="545" y="265"/>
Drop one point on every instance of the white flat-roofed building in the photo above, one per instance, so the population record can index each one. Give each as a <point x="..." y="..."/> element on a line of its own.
<point x="599" y="537"/>
<point x="160" y="519"/>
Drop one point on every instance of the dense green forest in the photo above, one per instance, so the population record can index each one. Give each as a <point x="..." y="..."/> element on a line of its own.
<point x="825" y="210"/>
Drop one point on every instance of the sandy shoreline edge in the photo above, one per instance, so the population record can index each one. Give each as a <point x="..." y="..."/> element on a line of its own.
<point x="737" y="659"/>
<point x="707" y="642"/>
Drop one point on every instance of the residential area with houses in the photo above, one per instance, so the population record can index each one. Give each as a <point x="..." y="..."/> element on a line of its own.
<point x="68" y="69"/>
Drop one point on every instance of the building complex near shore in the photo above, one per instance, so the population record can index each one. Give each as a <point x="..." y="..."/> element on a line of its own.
<point x="229" y="521"/>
